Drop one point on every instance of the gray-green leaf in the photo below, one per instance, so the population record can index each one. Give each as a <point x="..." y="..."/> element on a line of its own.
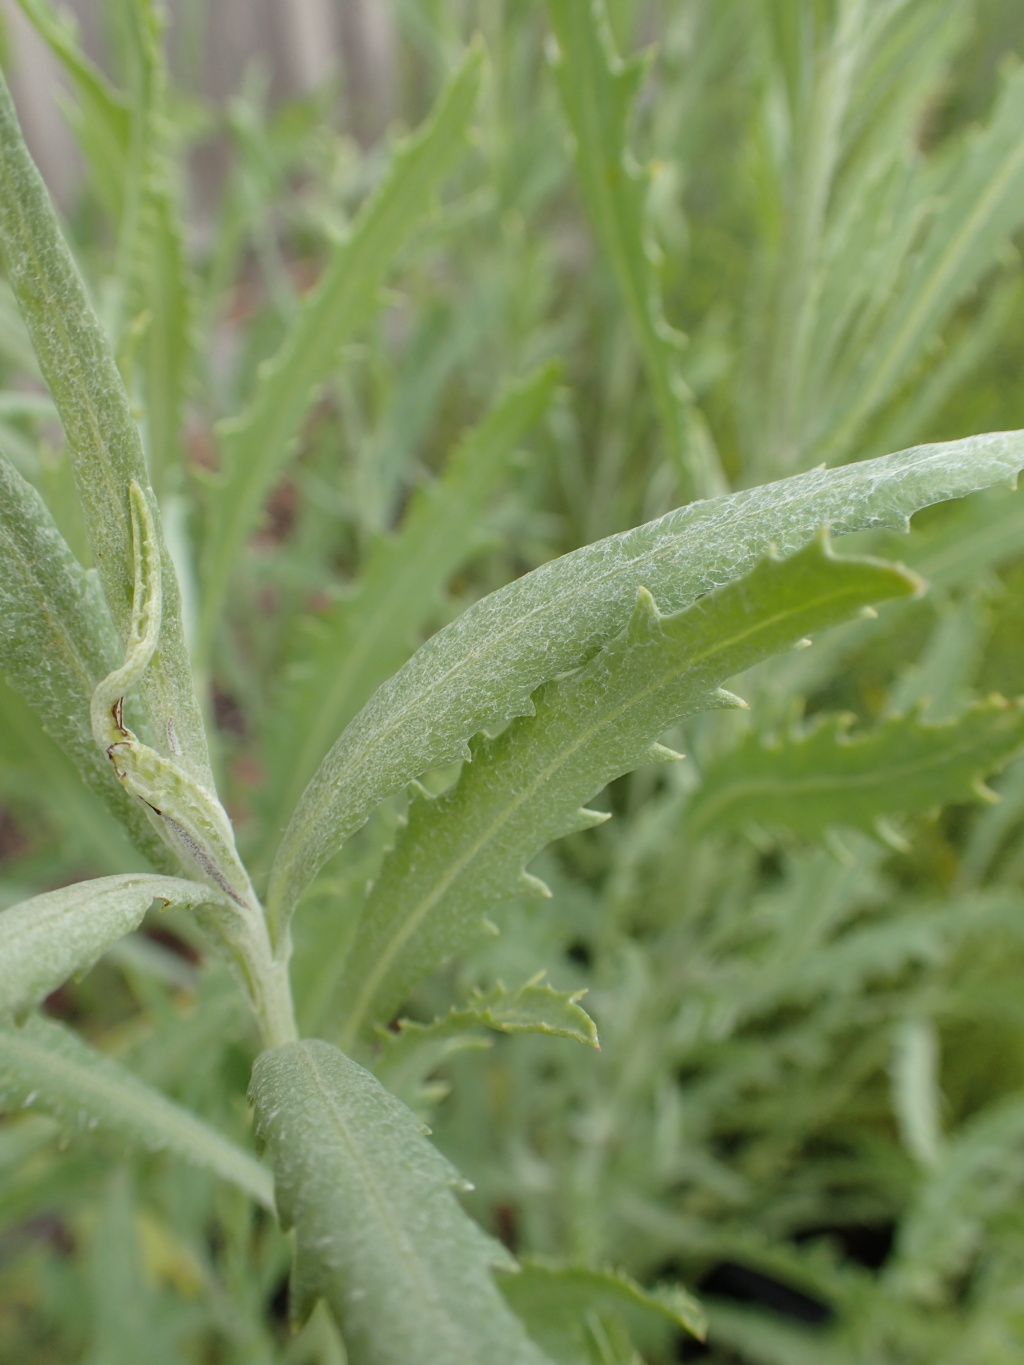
<point x="379" y="1233"/>
<point x="466" y="851"/>
<point x="57" y="641"/>
<point x="534" y="1008"/>
<point x="481" y="670"/>
<point x="559" y="1302"/>
<point x="103" y="441"/>
<point x="45" y="940"/>
<point x="45" y="1066"/>
<point x="821" y="778"/>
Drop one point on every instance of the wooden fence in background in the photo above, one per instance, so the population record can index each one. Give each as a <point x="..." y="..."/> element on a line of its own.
<point x="300" y="43"/>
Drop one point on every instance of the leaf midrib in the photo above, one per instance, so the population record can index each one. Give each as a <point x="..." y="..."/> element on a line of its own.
<point x="385" y="1213"/>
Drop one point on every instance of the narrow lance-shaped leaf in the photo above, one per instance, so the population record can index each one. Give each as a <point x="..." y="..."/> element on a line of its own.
<point x="817" y="133"/>
<point x="481" y="670"/>
<point x="156" y="296"/>
<point x="823" y="778"/>
<point x="379" y="1233"/>
<point x="597" y="91"/>
<point x="103" y="121"/>
<point x="467" y="850"/>
<point x="45" y="940"/>
<point x="258" y="442"/>
<point x="102" y="439"/>
<point x="47" y="1067"/>
<point x="57" y="641"/>
<point x="367" y="635"/>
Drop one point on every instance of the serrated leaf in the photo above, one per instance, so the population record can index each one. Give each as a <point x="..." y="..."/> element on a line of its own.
<point x="534" y="1008"/>
<point x="810" y="782"/>
<point x="368" y="634"/>
<point x="47" y="1067"/>
<point x="409" y="1054"/>
<point x="597" y="91"/>
<point x="379" y="1232"/>
<point x="467" y="850"/>
<point x="45" y="940"/>
<point x="103" y="441"/>
<point x="257" y="443"/>
<point x="558" y="1302"/>
<point x="481" y="670"/>
<point x="57" y="641"/>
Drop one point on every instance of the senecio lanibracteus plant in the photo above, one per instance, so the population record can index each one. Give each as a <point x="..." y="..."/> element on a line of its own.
<point x="546" y="691"/>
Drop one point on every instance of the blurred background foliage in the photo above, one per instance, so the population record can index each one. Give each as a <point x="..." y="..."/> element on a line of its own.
<point x="809" y="1103"/>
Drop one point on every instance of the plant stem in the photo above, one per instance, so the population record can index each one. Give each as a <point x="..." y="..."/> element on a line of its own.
<point x="267" y="981"/>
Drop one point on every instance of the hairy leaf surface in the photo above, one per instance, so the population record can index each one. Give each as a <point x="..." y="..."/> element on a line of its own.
<point x="257" y="443"/>
<point x="45" y="1066"/>
<point x="379" y="1232"/>
<point x="103" y="440"/>
<point x="46" y="939"/>
<point x="480" y="670"/>
<point x="57" y="641"/>
<point x="467" y="850"/>
<point x="904" y="766"/>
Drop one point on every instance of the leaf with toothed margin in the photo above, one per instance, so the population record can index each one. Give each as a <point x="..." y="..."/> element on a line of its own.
<point x="560" y="1302"/>
<point x="467" y="850"/>
<point x="534" y="1008"/>
<point x="410" y="1054"/>
<point x="810" y="782"/>
<point x="482" y="669"/>
<point x="379" y="1233"/>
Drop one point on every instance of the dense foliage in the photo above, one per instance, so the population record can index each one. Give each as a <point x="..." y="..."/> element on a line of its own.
<point x="423" y="500"/>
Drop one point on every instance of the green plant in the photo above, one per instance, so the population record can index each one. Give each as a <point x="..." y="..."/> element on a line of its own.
<point x="783" y="952"/>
